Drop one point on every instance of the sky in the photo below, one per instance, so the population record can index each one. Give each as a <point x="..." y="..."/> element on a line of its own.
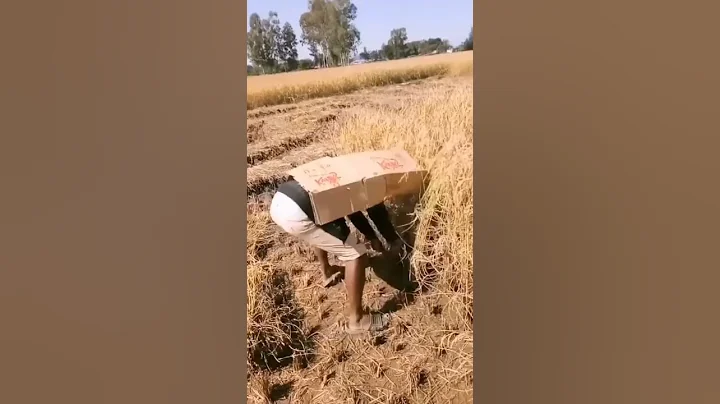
<point x="447" y="19"/>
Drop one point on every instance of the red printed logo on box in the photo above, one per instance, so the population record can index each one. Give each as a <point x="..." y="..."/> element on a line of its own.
<point x="330" y="178"/>
<point x="387" y="164"/>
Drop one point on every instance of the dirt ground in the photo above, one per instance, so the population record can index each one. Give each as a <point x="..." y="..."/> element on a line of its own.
<point x="425" y="357"/>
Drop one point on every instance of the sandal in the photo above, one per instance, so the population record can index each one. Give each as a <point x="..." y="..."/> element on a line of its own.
<point x="330" y="281"/>
<point x="378" y="322"/>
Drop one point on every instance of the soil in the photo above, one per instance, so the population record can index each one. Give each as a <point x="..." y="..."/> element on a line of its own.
<point x="425" y="356"/>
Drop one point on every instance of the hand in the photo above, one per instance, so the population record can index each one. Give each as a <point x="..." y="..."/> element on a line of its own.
<point x="377" y="245"/>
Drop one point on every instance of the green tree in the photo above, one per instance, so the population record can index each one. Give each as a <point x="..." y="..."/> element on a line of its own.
<point x="365" y="54"/>
<point x="413" y="48"/>
<point x="382" y="52"/>
<point x="397" y="47"/>
<point x="305" y="64"/>
<point x="328" y="28"/>
<point x="273" y="36"/>
<point x="347" y="36"/>
<point x="428" y="46"/>
<point x="314" y="53"/>
<point x="257" y="53"/>
<point x="468" y="43"/>
<point x="262" y="41"/>
<point x="271" y="46"/>
<point x="444" y="46"/>
<point x="287" y="47"/>
<point x="313" y="31"/>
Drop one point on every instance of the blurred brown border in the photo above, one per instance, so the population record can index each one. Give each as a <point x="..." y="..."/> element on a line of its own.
<point x="122" y="259"/>
<point x="597" y="202"/>
<point x="121" y="238"/>
<point x="243" y="177"/>
<point x="477" y="323"/>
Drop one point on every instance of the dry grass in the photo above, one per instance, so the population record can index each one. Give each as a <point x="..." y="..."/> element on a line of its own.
<point x="436" y="129"/>
<point x="297" y="86"/>
<point x="275" y="329"/>
<point x="422" y="359"/>
<point x="426" y="356"/>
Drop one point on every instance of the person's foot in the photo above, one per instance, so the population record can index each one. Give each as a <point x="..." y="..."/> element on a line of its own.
<point x="331" y="274"/>
<point x="369" y="323"/>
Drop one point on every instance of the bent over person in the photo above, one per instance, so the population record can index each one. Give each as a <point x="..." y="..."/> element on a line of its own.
<point x="291" y="209"/>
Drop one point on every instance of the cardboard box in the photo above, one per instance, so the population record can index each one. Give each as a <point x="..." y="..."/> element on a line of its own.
<point x="339" y="186"/>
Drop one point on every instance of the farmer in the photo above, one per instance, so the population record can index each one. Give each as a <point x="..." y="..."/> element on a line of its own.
<point x="291" y="209"/>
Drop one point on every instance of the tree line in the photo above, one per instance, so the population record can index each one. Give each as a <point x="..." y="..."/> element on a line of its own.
<point x="329" y="32"/>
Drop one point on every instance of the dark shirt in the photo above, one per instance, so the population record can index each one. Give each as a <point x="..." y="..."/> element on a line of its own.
<point x="338" y="228"/>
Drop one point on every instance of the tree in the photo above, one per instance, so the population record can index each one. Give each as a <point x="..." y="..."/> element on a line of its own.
<point x="347" y="35"/>
<point x="262" y="40"/>
<point x="385" y="51"/>
<point x="444" y="46"/>
<point x="327" y="28"/>
<point x="255" y="43"/>
<point x="271" y="47"/>
<point x="272" y="37"/>
<point x="396" y="47"/>
<point x="381" y="54"/>
<point x="364" y="54"/>
<point x="314" y="53"/>
<point x="287" y="46"/>
<point x="468" y="43"/>
<point x="305" y="64"/>
<point x="413" y="48"/>
<point x="313" y="29"/>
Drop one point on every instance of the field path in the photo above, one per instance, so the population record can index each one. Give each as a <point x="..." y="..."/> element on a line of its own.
<point x="281" y="137"/>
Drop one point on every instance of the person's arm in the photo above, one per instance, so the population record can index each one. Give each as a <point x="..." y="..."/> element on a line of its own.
<point x="379" y="215"/>
<point x="360" y="222"/>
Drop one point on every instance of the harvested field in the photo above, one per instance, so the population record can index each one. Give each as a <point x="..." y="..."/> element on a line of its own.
<point x="287" y="88"/>
<point x="296" y="351"/>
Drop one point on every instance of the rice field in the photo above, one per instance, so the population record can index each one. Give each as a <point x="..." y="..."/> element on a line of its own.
<point x="296" y="86"/>
<point x="296" y="351"/>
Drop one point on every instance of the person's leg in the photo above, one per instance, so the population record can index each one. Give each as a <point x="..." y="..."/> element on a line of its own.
<point x="354" y="285"/>
<point x="322" y="256"/>
<point x="290" y="217"/>
<point x="330" y="273"/>
<point x="358" y="320"/>
<point x="336" y="239"/>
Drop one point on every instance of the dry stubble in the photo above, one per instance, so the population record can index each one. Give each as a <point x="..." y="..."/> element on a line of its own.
<point x="286" y="88"/>
<point x="427" y="356"/>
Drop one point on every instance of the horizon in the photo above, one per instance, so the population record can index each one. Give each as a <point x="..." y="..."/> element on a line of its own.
<point x="451" y="20"/>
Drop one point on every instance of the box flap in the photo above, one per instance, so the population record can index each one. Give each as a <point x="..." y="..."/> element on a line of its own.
<point x="375" y="190"/>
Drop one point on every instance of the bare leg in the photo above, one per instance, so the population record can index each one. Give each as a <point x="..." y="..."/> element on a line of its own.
<point x="322" y="256"/>
<point x="330" y="273"/>
<point x="355" y="283"/>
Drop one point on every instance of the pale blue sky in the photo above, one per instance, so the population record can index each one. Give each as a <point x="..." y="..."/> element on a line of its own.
<point x="448" y="19"/>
